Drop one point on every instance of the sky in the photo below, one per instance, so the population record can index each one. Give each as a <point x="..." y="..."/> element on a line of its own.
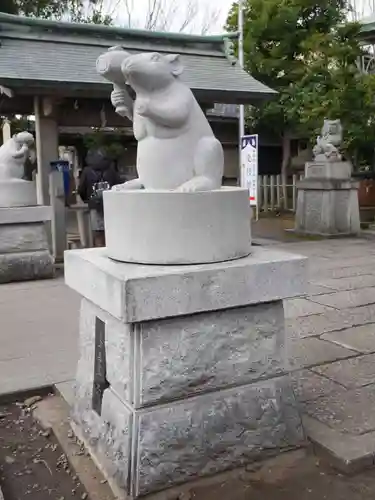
<point x="215" y="11"/>
<point x="205" y="10"/>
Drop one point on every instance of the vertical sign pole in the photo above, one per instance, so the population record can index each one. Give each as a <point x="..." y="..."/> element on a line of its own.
<point x="248" y="150"/>
<point x="242" y="107"/>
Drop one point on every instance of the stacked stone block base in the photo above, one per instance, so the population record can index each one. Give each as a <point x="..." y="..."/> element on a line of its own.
<point x="24" y="248"/>
<point x="327" y="203"/>
<point x="163" y="400"/>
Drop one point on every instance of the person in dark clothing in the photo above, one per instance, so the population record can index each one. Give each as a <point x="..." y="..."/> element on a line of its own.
<point x="99" y="175"/>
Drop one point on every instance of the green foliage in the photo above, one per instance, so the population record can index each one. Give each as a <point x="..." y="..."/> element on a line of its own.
<point x="20" y="123"/>
<point x="8" y="6"/>
<point x="79" y="11"/>
<point x="41" y="8"/>
<point x="111" y="143"/>
<point x="88" y="12"/>
<point x="307" y="51"/>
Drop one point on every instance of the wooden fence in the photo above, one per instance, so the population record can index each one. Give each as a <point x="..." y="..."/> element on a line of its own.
<point x="273" y="196"/>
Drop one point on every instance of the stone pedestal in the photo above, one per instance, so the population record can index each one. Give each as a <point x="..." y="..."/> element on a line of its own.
<point x="24" y="249"/>
<point x="17" y="193"/>
<point x="171" y="227"/>
<point x="182" y="370"/>
<point x="327" y="203"/>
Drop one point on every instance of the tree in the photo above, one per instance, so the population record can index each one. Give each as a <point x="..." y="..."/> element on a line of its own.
<point x="306" y="51"/>
<point x="172" y="15"/>
<point x="87" y="11"/>
<point x="35" y="8"/>
<point x="8" y="6"/>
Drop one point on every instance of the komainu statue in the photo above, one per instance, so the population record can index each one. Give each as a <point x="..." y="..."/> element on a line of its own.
<point x="327" y="144"/>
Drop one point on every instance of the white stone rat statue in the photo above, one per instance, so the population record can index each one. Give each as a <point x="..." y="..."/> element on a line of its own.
<point x="177" y="149"/>
<point x="13" y="155"/>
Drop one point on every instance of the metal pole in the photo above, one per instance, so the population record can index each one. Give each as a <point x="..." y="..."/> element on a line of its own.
<point x="241" y="60"/>
<point x="241" y="130"/>
<point x="242" y="107"/>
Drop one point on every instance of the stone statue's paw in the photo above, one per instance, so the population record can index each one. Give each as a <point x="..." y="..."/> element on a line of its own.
<point x="132" y="185"/>
<point x="187" y="188"/>
<point x="197" y="184"/>
<point x="121" y="187"/>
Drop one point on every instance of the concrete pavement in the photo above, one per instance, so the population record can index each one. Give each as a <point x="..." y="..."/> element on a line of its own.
<point x="38" y="334"/>
<point x="331" y="343"/>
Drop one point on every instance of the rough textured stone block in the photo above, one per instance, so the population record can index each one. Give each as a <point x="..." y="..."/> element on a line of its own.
<point x="191" y="438"/>
<point x="215" y="432"/>
<point x="327" y="184"/>
<point x="25" y="266"/>
<point x="25" y="215"/>
<point x="170" y="359"/>
<point x="108" y="436"/>
<point x="182" y="356"/>
<point x="328" y="170"/>
<point x="119" y="346"/>
<point x="327" y="207"/>
<point x="134" y="293"/>
<point x="24" y="248"/>
<point x="22" y="238"/>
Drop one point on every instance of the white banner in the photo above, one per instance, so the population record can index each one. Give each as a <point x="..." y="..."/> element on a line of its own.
<point x="249" y="166"/>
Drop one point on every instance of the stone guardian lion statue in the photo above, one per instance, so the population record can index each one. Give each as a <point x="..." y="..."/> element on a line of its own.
<point x="327" y="144"/>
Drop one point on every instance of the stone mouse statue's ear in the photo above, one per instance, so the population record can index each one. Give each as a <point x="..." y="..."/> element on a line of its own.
<point x="175" y="64"/>
<point x="116" y="48"/>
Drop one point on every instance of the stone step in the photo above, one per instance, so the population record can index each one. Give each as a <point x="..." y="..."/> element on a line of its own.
<point x="66" y="390"/>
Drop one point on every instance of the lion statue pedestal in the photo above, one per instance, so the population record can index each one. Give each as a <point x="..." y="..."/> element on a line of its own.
<point x="17" y="193"/>
<point x="24" y="247"/>
<point x="327" y="203"/>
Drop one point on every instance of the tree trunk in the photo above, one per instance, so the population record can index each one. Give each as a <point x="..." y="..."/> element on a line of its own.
<point x="286" y="144"/>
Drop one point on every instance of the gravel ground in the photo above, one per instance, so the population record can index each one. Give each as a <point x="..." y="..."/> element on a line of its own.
<point x="32" y="464"/>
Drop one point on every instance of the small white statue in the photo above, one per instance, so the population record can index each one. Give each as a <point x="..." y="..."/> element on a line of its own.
<point x="326" y="148"/>
<point x="177" y="149"/>
<point x="13" y="155"/>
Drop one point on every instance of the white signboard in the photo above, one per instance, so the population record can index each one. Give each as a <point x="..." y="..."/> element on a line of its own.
<point x="249" y="166"/>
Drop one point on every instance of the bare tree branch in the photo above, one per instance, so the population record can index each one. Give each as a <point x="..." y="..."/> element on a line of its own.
<point x="191" y="13"/>
<point x="168" y="12"/>
<point x="173" y="15"/>
<point x="129" y="6"/>
<point x="210" y="19"/>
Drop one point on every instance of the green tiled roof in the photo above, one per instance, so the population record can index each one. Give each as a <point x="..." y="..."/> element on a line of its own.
<point x="367" y="30"/>
<point x="40" y="53"/>
<point x="103" y="30"/>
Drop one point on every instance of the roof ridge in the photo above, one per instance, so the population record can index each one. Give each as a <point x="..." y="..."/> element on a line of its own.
<point x="99" y="29"/>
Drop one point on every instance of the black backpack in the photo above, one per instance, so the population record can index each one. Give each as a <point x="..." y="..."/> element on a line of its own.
<point x="99" y="185"/>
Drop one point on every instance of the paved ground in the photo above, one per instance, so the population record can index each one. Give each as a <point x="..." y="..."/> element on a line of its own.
<point x="332" y="339"/>
<point x="331" y="342"/>
<point x="38" y="334"/>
